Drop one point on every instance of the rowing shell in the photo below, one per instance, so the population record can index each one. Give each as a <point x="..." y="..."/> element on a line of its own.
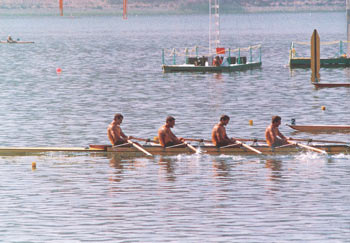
<point x="158" y="150"/>
<point x="321" y="128"/>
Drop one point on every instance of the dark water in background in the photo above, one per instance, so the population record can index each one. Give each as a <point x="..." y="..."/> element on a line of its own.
<point x="110" y="65"/>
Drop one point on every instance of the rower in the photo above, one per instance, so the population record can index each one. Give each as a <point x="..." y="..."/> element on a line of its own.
<point x="219" y="136"/>
<point x="166" y="136"/>
<point x="274" y="137"/>
<point x="9" y="39"/>
<point x="115" y="133"/>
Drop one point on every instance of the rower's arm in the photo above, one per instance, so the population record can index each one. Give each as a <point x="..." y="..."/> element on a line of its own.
<point x="123" y="135"/>
<point x="281" y="135"/>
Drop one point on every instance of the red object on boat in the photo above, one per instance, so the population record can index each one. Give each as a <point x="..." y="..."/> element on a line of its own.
<point x="220" y="50"/>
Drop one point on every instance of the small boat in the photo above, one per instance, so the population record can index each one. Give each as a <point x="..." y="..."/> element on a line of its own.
<point x="304" y="62"/>
<point x="321" y="128"/>
<point x="187" y="67"/>
<point x="330" y="85"/>
<point x="17" y="42"/>
<point x="339" y="60"/>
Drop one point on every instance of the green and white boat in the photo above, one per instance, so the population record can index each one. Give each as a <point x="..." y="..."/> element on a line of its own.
<point x="215" y="58"/>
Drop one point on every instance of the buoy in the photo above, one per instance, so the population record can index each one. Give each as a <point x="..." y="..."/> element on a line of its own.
<point x="323" y="108"/>
<point x="250" y="122"/>
<point x="33" y="166"/>
<point x="58" y="70"/>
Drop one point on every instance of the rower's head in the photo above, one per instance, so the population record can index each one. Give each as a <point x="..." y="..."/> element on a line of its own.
<point x="276" y="121"/>
<point x="118" y="117"/>
<point x="170" y="121"/>
<point x="224" y="119"/>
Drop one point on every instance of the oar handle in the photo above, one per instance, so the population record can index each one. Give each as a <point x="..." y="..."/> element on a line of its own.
<point x="144" y="139"/>
<point x="198" y="140"/>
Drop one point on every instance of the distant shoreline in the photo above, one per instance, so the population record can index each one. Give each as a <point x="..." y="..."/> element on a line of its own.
<point x="152" y="12"/>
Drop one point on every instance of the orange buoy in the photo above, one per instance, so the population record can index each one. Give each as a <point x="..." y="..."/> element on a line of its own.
<point x="323" y="108"/>
<point x="33" y="166"/>
<point x="58" y="70"/>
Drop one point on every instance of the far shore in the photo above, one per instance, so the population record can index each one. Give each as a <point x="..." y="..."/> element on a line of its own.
<point x="148" y="11"/>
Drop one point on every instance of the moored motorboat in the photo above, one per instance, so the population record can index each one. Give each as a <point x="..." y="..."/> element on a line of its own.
<point x="330" y="85"/>
<point x="321" y="128"/>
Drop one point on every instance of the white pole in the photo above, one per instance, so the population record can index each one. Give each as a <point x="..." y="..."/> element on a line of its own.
<point x="348" y="26"/>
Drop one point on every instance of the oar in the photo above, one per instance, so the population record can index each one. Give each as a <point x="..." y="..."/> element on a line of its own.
<point x="198" y="140"/>
<point x="186" y="144"/>
<point x="192" y="148"/>
<point x="139" y="148"/>
<point x="308" y="147"/>
<point x="145" y="140"/>
<point x="249" y="147"/>
<point x="317" y="141"/>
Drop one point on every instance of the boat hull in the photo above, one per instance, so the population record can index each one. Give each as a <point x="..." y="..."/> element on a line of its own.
<point x="289" y="149"/>
<point x="330" y="85"/>
<point x="321" y="128"/>
<point x="325" y="62"/>
<point x="193" y="68"/>
<point x="129" y="151"/>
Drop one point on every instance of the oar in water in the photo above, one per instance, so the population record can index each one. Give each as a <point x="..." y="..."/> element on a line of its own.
<point x="308" y="147"/>
<point x="139" y="147"/>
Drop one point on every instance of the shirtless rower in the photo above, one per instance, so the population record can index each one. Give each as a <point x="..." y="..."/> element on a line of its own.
<point x="115" y="133"/>
<point x="219" y="136"/>
<point x="166" y="136"/>
<point x="274" y="137"/>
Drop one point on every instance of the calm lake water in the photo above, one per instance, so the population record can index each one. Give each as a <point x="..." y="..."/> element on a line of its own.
<point x="110" y="65"/>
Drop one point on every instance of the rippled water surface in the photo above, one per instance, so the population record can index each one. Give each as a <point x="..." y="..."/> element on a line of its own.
<point x="110" y="65"/>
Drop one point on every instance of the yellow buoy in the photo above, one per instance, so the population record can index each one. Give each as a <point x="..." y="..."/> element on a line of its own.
<point x="250" y="122"/>
<point x="33" y="166"/>
<point x="323" y="108"/>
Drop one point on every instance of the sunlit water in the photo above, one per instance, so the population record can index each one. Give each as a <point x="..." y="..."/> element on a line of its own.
<point x="110" y="65"/>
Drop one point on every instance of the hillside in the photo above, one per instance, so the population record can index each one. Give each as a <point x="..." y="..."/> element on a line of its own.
<point x="174" y="6"/>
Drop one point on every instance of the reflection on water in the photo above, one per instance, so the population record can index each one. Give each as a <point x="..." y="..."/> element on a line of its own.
<point x="220" y="168"/>
<point x="275" y="167"/>
<point x="166" y="169"/>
